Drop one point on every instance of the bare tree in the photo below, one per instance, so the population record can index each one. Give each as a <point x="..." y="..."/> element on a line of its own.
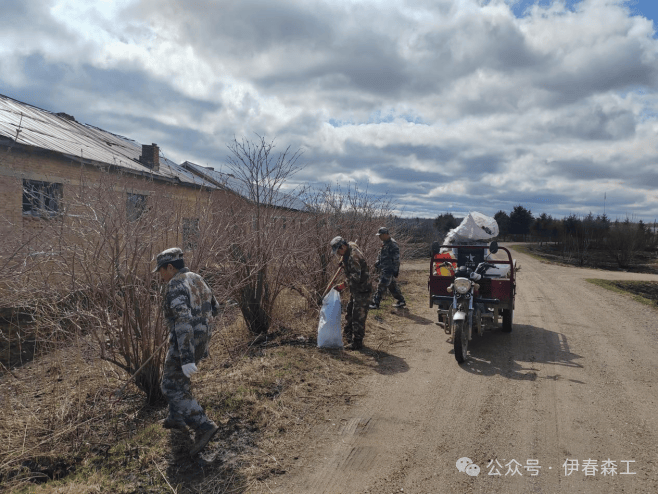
<point x="353" y="214"/>
<point x="263" y="241"/>
<point x="89" y="273"/>
<point x="624" y="240"/>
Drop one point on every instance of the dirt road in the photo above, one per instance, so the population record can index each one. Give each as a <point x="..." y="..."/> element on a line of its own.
<point x="574" y="384"/>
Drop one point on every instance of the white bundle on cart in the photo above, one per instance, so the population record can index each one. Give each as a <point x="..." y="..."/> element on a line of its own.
<point x="474" y="229"/>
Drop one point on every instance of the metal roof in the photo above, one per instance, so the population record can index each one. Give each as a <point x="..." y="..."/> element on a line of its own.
<point x="279" y="199"/>
<point x="32" y="126"/>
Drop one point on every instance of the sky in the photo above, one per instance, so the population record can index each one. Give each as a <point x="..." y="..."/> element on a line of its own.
<point x="437" y="105"/>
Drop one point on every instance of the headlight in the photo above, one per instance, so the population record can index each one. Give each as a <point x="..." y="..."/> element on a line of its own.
<point x="462" y="285"/>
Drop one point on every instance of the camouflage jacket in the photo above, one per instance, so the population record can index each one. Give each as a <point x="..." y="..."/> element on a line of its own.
<point x="188" y="307"/>
<point x="356" y="269"/>
<point x="388" y="260"/>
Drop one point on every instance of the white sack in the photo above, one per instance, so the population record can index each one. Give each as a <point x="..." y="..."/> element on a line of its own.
<point x="476" y="226"/>
<point x="329" y="335"/>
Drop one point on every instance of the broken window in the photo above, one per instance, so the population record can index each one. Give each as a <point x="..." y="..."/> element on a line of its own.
<point x="190" y="233"/>
<point x="41" y="198"/>
<point x="135" y="206"/>
<point x="279" y="222"/>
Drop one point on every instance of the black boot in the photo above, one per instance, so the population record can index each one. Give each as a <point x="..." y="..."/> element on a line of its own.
<point x="202" y="436"/>
<point x="355" y="345"/>
<point x="170" y="423"/>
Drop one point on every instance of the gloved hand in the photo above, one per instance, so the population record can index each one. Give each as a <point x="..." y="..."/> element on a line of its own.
<point x="340" y="287"/>
<point x="189" y="369"/>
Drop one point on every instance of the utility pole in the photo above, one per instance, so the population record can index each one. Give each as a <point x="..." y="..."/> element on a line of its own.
<point x="604" y="196"/>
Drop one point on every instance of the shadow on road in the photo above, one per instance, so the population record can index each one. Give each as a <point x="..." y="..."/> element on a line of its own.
<point x="412" y="317"/>
<point x="513" y="355"/>
<point x="378" y="360"/>
<point x="388" y="364"/>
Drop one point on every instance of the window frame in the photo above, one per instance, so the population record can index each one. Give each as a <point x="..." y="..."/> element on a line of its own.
<point x="41" y="199"/>
<point x="191" y="231"/>
<point x="135" y="206"/>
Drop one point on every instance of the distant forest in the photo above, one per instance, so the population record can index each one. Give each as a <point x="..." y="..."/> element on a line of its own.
<point x="574" y="235"/>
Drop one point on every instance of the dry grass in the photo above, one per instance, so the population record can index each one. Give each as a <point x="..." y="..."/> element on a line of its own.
<point x="645" y="292"/>
<point x="643" y="262"/>
<point x="62" y="432"/>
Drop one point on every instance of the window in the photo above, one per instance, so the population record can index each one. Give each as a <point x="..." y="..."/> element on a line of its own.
<point x="135" y="206"/>
<point x="279" y="222"/>
<point x="41" y="198"/>
<point x="190" y="233"/>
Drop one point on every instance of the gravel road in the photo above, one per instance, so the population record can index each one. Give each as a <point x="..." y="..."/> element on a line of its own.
<point x="570" y="396"/>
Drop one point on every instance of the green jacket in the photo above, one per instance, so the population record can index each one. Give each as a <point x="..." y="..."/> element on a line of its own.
<point x="388" y="260"/>
<point x="356" y="269"/>
<point x="188" y="307"/>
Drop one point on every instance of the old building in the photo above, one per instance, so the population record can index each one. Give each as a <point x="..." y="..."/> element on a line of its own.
<point x="46" y="157"/>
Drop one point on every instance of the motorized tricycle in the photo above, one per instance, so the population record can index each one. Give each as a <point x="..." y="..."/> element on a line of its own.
<point x="472" y="291"/>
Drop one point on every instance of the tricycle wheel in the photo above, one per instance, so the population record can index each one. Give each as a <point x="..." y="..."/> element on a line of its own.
<point x="460" y="340"/>
<point x="508" y="316"/>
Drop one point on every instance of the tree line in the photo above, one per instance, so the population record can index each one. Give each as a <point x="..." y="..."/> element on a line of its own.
<point x="574" y="236"/>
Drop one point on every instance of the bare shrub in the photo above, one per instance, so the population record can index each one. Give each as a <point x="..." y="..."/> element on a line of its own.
<point x="90" y="272"/>
<point x="624" y="240"/>
<point x="416" y="235"/>
<point x="264" y="235"/>
<point x="353" y="214"/>
<point x="577" y="238"/>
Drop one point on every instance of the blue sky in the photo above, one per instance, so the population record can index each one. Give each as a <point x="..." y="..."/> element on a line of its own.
<point x="645" y="8"/>
<point x="439" y="105"/>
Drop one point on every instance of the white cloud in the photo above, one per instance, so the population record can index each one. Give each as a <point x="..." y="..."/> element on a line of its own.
<point x="421" y="99"/>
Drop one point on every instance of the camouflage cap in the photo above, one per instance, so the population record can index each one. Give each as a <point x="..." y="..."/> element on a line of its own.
<point x="336" y="243"/>
<point x="167" y="256"/>
<point x="383" y="230"/>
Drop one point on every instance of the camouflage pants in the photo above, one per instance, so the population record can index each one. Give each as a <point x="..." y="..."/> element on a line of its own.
<point x="387" y="280"/>
<point x="355" y="316"/>
<point x="176" y="387"/>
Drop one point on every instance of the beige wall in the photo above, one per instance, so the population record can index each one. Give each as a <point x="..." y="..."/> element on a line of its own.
<point x="17" y="228"/>
<point x="61" y="233"/>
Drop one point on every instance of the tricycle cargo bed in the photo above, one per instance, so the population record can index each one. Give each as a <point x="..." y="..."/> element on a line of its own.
<point x="500" y="284"/>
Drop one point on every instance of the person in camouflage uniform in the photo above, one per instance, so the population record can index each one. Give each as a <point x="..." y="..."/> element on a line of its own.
<point x="188" y="307"/>
<point x="388" y="263"/>
<point x="358" y="280"/>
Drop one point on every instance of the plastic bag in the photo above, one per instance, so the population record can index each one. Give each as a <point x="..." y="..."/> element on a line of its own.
<point x="329" y="335"/>
<point x="475" y="227"/>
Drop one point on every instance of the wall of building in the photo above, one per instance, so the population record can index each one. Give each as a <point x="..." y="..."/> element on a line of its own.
<point x="86" y="191"/>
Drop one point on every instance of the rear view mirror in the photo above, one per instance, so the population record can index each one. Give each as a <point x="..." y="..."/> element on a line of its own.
<point x="493" y="247"/>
